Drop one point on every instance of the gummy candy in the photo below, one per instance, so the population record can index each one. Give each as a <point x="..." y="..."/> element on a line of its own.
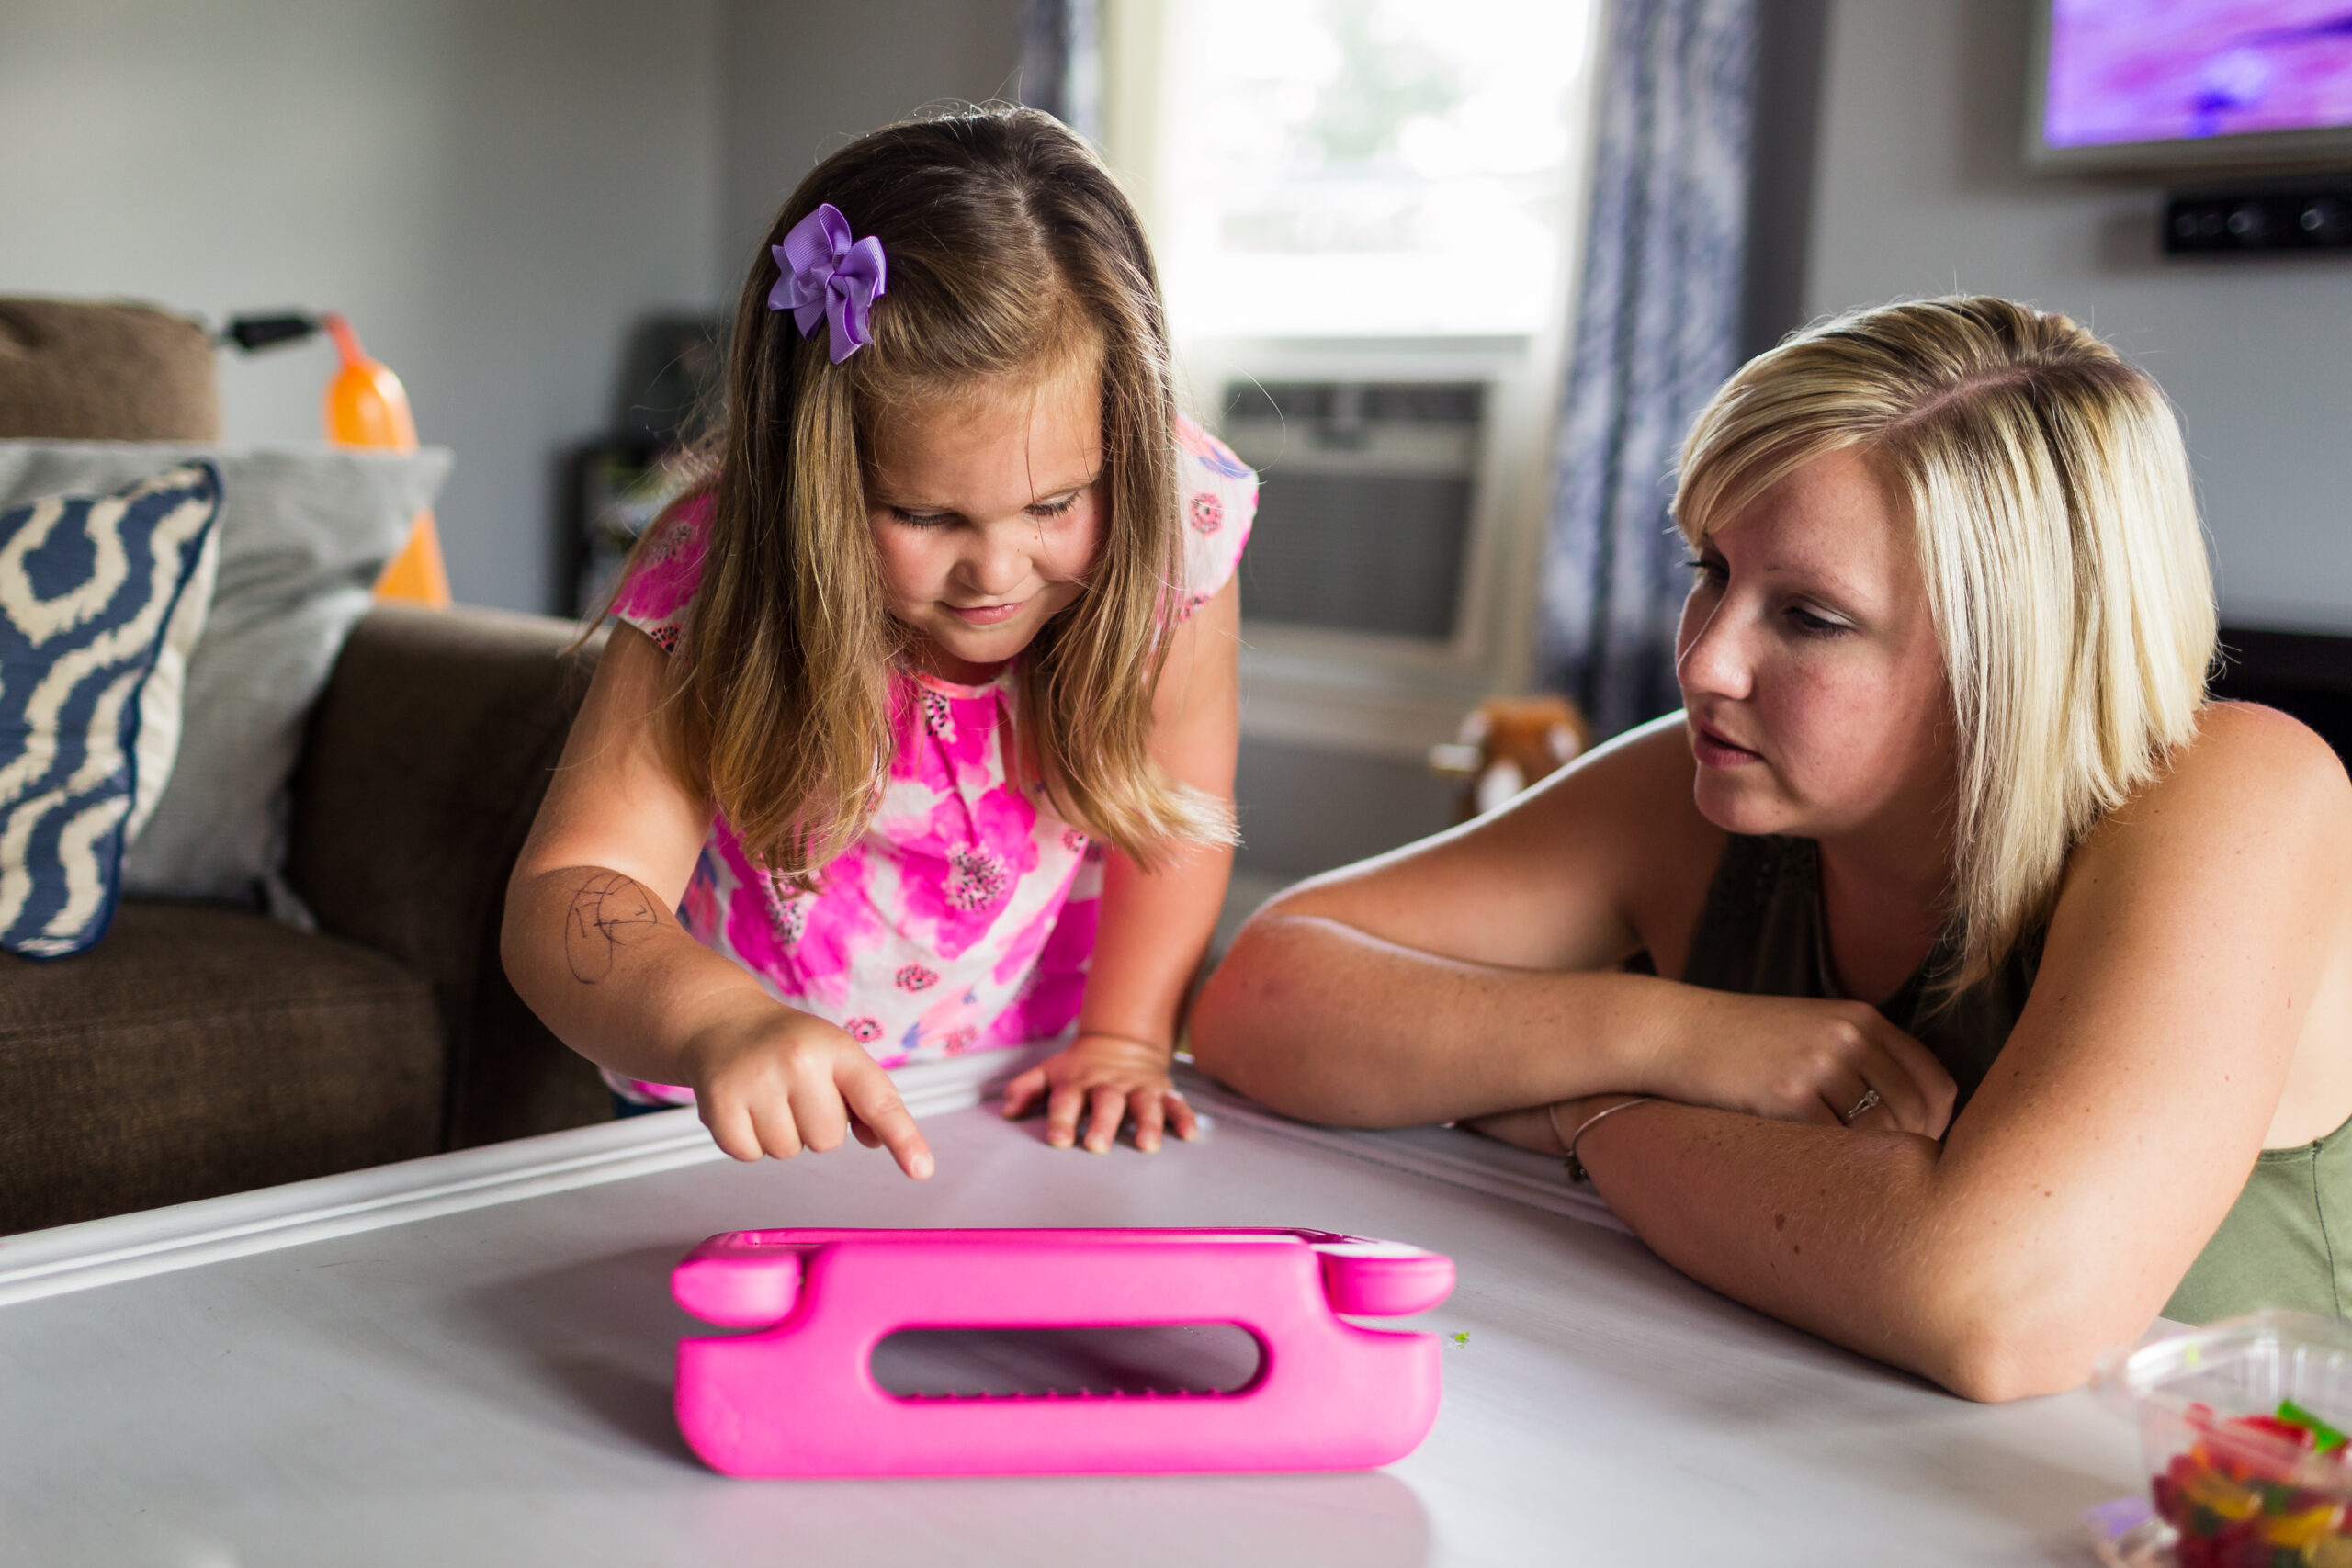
<point x="2259" y="1492"/>
<point x="2325" y="1436"/>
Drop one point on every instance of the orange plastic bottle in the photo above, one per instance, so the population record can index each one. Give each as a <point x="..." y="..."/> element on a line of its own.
<point x="366" y="406"/>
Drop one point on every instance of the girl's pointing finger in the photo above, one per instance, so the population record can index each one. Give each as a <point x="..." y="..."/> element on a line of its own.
<point x="874" y="1099"/>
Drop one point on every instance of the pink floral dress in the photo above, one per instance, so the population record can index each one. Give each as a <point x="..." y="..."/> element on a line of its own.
<point x="965" y="918"/>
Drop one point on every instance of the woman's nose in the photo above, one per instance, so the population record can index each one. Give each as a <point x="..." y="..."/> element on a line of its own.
<point x="1710" y="660"/>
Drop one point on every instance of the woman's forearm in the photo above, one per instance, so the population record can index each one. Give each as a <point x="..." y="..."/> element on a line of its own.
<point x="609" y="969"/>
<point x="1322" y="1021"/>
<point x="1856" y="1236"/>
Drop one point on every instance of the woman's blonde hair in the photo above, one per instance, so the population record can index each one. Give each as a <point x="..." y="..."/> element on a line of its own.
<point x="1013" y="257"/>
<point x="2056" y="527"/>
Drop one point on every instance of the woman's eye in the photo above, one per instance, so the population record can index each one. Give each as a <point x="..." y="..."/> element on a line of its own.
<point x="1811" y="625"/>
<point x="1711" y="573"/>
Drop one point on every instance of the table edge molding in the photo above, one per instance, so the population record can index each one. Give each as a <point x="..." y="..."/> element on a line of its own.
<point x="1480" y="1166"/>
<point x="37" y="1264"/>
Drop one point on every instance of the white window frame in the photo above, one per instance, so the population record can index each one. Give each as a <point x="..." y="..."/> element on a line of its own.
<point x="1345" y="691"/>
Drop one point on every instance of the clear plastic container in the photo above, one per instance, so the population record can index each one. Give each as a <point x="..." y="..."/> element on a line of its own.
<point x="2241" y="1427"/>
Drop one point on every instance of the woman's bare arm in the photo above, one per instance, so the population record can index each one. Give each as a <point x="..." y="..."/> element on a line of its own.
<point x="2194" y="932"/>
<point x="1478" y="972"/>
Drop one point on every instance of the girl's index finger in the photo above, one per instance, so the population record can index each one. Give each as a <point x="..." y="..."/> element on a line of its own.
<point x="874" y="1101"/>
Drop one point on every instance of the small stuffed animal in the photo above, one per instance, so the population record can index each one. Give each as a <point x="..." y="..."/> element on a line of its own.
<point x="1507" y="744"/>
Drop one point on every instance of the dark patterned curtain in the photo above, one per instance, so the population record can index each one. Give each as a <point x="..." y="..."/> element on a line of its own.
<point x="1657" y="324"/>
<point x="1061" y="63"/>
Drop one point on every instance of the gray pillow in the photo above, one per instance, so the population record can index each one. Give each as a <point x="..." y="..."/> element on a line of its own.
<point x="304" y="532"/>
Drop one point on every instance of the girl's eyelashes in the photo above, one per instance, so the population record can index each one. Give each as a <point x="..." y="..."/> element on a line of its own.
<point x="1045" y="509"/>
<point x="1708" y="568"/>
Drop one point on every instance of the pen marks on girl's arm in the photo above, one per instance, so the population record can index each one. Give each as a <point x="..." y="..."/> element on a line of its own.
<point x="608" y="913"/>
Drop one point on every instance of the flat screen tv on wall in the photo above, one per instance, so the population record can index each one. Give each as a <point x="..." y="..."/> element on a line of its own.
<point x="2163" y="86"/>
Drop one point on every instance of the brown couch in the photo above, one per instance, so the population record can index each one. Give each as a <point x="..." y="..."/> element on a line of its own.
<point x="200" y="1049"/>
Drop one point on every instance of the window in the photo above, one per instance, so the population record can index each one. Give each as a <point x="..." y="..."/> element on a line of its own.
<point x="1367" y="168"/>
<point x="1366" y="215"/>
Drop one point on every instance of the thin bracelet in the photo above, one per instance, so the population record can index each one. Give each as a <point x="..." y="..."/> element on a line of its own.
<point x="1577" y="1176"/>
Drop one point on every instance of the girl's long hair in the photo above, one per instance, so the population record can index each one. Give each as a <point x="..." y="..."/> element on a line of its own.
<point x="2055" y="524"/>
<point x="1012" y="257"/>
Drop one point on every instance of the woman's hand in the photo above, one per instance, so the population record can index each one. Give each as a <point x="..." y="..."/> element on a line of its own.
<point x="774" y="1081"/>
<point x="1801" y="1059"/>
<point x="1107" y="1080"/>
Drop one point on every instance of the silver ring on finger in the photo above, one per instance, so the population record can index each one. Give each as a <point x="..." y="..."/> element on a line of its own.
<point x="1869" y="1102"/>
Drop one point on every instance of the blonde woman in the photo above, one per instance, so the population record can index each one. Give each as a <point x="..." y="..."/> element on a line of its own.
<point x="2006" y="995"/>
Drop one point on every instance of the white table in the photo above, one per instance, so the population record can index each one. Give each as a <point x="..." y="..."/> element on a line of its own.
<point x="466" y="1359"/>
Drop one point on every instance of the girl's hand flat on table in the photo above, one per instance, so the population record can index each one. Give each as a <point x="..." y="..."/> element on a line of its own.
<point x="1805" y="1059"/>
<point x="1105" y="1079"/>
<point x="779" y="1081"/>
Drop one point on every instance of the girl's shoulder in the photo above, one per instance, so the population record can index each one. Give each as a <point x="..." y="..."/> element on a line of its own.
<point x="665" y="570"/>
<point x="1205" y="452"/>
<point x="1219" y="498"/>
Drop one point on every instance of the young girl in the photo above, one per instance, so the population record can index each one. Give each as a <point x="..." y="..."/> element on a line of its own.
<point x="922" y="709"/>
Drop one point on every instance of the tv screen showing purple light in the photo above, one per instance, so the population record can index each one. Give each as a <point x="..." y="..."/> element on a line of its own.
<point x="2127" y="71"/>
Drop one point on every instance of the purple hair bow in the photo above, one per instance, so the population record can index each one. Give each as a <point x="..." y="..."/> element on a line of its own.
<point x="828" y="276"/>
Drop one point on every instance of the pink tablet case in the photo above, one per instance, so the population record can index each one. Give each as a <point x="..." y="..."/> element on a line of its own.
<point x="799" y="1397"/>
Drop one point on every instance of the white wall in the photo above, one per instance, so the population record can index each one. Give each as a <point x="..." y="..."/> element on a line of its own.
<point x="493" y="190"/>
<point x="1921" y="190"/>
<point x="802" y="77"/>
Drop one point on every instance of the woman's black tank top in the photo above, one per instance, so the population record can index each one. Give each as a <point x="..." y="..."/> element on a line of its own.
<point x="1762" y="933"/>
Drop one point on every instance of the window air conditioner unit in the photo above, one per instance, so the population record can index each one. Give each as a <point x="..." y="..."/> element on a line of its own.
<point x="1367" y="506"/>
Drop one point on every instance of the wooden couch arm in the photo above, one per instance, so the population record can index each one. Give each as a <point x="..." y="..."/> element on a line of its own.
<point x="425" y="763"/>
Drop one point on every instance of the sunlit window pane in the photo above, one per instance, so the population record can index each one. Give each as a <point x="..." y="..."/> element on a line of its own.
<point x="1369" y="166"/>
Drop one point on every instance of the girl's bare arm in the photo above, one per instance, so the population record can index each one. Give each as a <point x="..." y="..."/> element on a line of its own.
<point x="592" y="945"/>
<point x="590" y="940"/>
<point x="1153" y="926"/>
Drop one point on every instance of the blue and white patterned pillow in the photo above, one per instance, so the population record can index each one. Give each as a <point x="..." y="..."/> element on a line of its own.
<point x="91" y="588"/>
